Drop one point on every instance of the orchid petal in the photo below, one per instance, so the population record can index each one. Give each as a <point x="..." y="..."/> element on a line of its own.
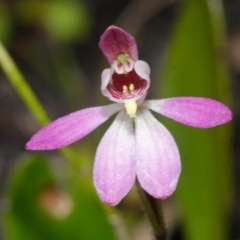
<point x="193" y="111"/>
<point x="71" y="128"/>
<point x="142" y="69"/>
<point x="158" y="163"/>
<point x="114" y="167"/>
<point x="115" y="41"/>
<point x="105" y="79"/>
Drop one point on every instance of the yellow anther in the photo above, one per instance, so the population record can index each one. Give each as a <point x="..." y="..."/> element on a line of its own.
<point x="131" y="87"/>
<point x="125" y="89"/>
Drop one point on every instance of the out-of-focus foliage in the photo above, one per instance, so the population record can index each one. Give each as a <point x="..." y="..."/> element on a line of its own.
<point x="64" y="21"/>
<point x="195" y="67"/>
<point x="5" y="24"/>
<point x="43" y="207"/>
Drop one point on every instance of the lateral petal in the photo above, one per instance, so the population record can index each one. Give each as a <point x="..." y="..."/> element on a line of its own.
<point x="115" y="41"/>
<point x="158" y="163"/>
<point x="143" y="70"/>
<point x="114" y="167"/>
<point x="105" y="80"/>
<point x="70" y="128"/>
<point x="193" y="111"/>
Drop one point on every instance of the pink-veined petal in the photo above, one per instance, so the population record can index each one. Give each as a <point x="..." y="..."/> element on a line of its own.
<point x="115" y="41"/>
<point x="114" y="167"/>
<point x="193" y="111"/>
<point x="158" y="163"/>
<point x="70" y="128"/>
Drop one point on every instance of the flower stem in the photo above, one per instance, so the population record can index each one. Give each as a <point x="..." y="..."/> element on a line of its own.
<point x="21" y="86"/>
<point x="154" y="212"/>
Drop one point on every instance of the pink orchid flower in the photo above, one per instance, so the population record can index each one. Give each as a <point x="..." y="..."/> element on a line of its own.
<point x="136" y="144"/>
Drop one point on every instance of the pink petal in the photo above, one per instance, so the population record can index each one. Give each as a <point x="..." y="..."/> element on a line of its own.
<point x="193" y="111"/>
<point x="114" y="167"/>
<point x="142" y="69"/>
<point x="115" y="41"/>
<point x="71" y="128"/>
<point x="105" y="79"/>
<point x="158" y="163"/>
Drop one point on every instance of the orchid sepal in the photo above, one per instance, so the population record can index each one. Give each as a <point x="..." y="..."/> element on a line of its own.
<point x="192" y="111"/>
<point x="115" y="41"/>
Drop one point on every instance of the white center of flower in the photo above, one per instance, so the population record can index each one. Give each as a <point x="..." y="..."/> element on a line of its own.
<point x="127" y="84"/>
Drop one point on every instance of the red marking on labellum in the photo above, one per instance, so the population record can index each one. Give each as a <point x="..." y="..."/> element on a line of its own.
<point x="120" y="80"/>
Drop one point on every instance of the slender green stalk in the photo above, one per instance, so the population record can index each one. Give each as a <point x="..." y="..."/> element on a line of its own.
<point x="21" y="86"/>
<point x="153" y="209"/>
<point x="26" y="94"/>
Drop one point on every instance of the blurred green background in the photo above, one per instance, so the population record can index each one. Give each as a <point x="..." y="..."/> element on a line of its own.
<point x="193" y="49"/>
